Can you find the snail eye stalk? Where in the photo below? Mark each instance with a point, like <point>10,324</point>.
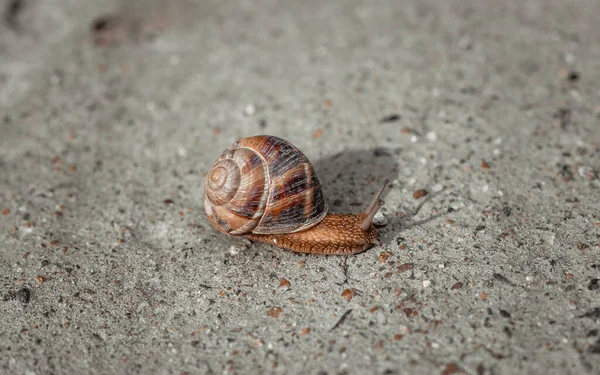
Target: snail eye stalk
<point>374,206</point>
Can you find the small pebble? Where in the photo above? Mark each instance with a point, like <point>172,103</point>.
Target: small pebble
<point>441,265</point>
<point>426,283</point>
<point>586,172</point>
<point>317,134</point>
<point>235,249</point>
<point>380,220</point>
<point>26,229</point>
<point>569,58</point>
<point>431,136</point>
<point>437,188</point>
<point>419,193</point>
<point>250,110</point>
<point>457,205</point>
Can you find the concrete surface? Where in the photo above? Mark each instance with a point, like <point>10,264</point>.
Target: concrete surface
<point>113,111</point>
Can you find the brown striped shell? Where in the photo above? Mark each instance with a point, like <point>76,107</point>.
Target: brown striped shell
<point>263,185</point>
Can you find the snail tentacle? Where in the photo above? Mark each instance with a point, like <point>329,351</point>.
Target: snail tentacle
<point>373,207</point>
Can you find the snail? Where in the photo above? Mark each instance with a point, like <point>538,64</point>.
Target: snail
<point>265,189</point>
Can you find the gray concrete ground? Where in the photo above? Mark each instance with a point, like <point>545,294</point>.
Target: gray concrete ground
<point>112,112</point>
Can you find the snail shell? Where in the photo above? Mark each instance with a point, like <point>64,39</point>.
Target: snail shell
<point>263,185</point>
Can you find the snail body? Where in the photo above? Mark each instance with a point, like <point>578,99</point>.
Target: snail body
<point>265,189</point>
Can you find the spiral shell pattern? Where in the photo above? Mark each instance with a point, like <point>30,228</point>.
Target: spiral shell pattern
<point>263,185</point>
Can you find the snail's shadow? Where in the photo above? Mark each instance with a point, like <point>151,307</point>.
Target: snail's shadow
<point>350,180</point>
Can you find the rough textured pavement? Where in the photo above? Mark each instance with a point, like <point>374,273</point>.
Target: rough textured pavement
<point>112,112</point>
